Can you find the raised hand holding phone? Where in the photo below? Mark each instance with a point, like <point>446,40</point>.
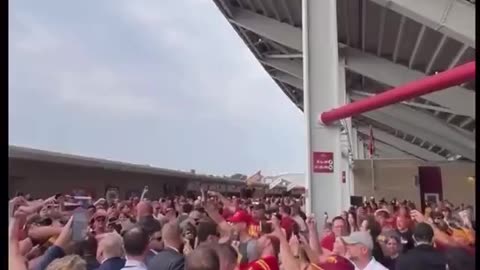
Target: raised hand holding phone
<point>79,224</point>
<point>145,190</point>
<point>417,216</point>
<point>311,222</point>
<point>204,198</point>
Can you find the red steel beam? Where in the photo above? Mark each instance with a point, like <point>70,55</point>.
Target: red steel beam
<point>429,84</point>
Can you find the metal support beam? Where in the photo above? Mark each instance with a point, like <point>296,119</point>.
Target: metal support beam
<point>322,74</point>
<point>450,118</point>
<point>413,104</point>
<point>387,151</point>
<point>271,29</point>
<point>399,39</point>
<point>287,92</point>
<point>411,62</point>
<point>458,99</point>
<point>274,8</point>
<point>347,23</point>
<point>262,7</point>
<point>284,56</point>
<point>398,143</point>
<point>288,79</point>
<point>466,122</point>
<point>413,123</point>
<point>364,22</point>
<point>408,91</point>
<point>428,70</point>
<point>383,15</point>
<point>457,57</point>
<point>292,67</point>
<point>456,19</point>
<point>462,101</point>
<point>287,11</point>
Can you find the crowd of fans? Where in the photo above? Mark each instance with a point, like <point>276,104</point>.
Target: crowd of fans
<point>215,232</point>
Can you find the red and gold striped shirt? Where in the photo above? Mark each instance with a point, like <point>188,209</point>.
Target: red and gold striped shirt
<point>266,263</point>
<point>254,230</point>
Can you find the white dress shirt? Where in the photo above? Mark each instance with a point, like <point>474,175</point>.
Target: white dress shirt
<point>134,265</point>
<point>373,265</point>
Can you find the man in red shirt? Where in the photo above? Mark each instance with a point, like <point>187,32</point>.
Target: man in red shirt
<point>268,247</point>
<point>286,221</point>
<point>337,260</point>
<point>339,229</point>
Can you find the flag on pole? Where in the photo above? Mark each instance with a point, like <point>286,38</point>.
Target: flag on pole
<point>371,144</point>
<point>254,178</point>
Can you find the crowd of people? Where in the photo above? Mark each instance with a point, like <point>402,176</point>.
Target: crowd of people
<point>213,232</point>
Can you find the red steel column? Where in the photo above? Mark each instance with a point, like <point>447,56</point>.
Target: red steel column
<point>437,82</point>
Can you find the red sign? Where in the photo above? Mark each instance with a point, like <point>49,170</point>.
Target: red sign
<point>322,162</point>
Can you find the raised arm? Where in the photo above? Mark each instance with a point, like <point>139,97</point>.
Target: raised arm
<point>288,259</point>
<point>313,238</point>
<point>216,217</point>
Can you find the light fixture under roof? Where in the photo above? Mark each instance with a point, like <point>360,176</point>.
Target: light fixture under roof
<point>455,157</point>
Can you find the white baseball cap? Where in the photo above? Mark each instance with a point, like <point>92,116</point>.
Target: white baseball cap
<point>361,238</point>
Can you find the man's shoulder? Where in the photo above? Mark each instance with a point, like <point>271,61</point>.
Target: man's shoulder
<point>166,254</point>
<point>169,252</point>
<point>420,251</point>
<point>112,263</point>
<point>378,266</point>
<point>425,250</point>
<point>164,259</point>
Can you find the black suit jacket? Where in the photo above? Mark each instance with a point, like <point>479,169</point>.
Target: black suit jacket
<point>167,259</point>
<point>114,263</point>
<point>423,257</point>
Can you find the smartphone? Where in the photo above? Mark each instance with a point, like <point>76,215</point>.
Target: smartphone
<point>266,227</point>
<point>79,224</point>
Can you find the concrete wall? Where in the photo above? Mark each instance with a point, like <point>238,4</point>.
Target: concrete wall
<point>43,179</point>
<point>456,187</point>
<point>396,179</point>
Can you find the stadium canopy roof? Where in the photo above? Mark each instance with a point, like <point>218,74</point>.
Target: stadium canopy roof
<point>385,43</point>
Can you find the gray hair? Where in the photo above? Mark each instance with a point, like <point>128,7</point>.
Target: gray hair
<point>112,245</point>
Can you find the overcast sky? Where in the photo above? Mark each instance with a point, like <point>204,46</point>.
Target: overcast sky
<point>161,82</point>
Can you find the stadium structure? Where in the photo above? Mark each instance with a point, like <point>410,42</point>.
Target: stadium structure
<point>324,54</point>
<point>366,74</point>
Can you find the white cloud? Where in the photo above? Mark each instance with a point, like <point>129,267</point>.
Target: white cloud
<point>72,76</point>
<point>102,90</point>
<point>164,59</point>
<point>241,89</point>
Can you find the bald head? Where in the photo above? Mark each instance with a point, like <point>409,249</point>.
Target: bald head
<point>172,235</point>
<point>202,258</point>
<point>144,209</point>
